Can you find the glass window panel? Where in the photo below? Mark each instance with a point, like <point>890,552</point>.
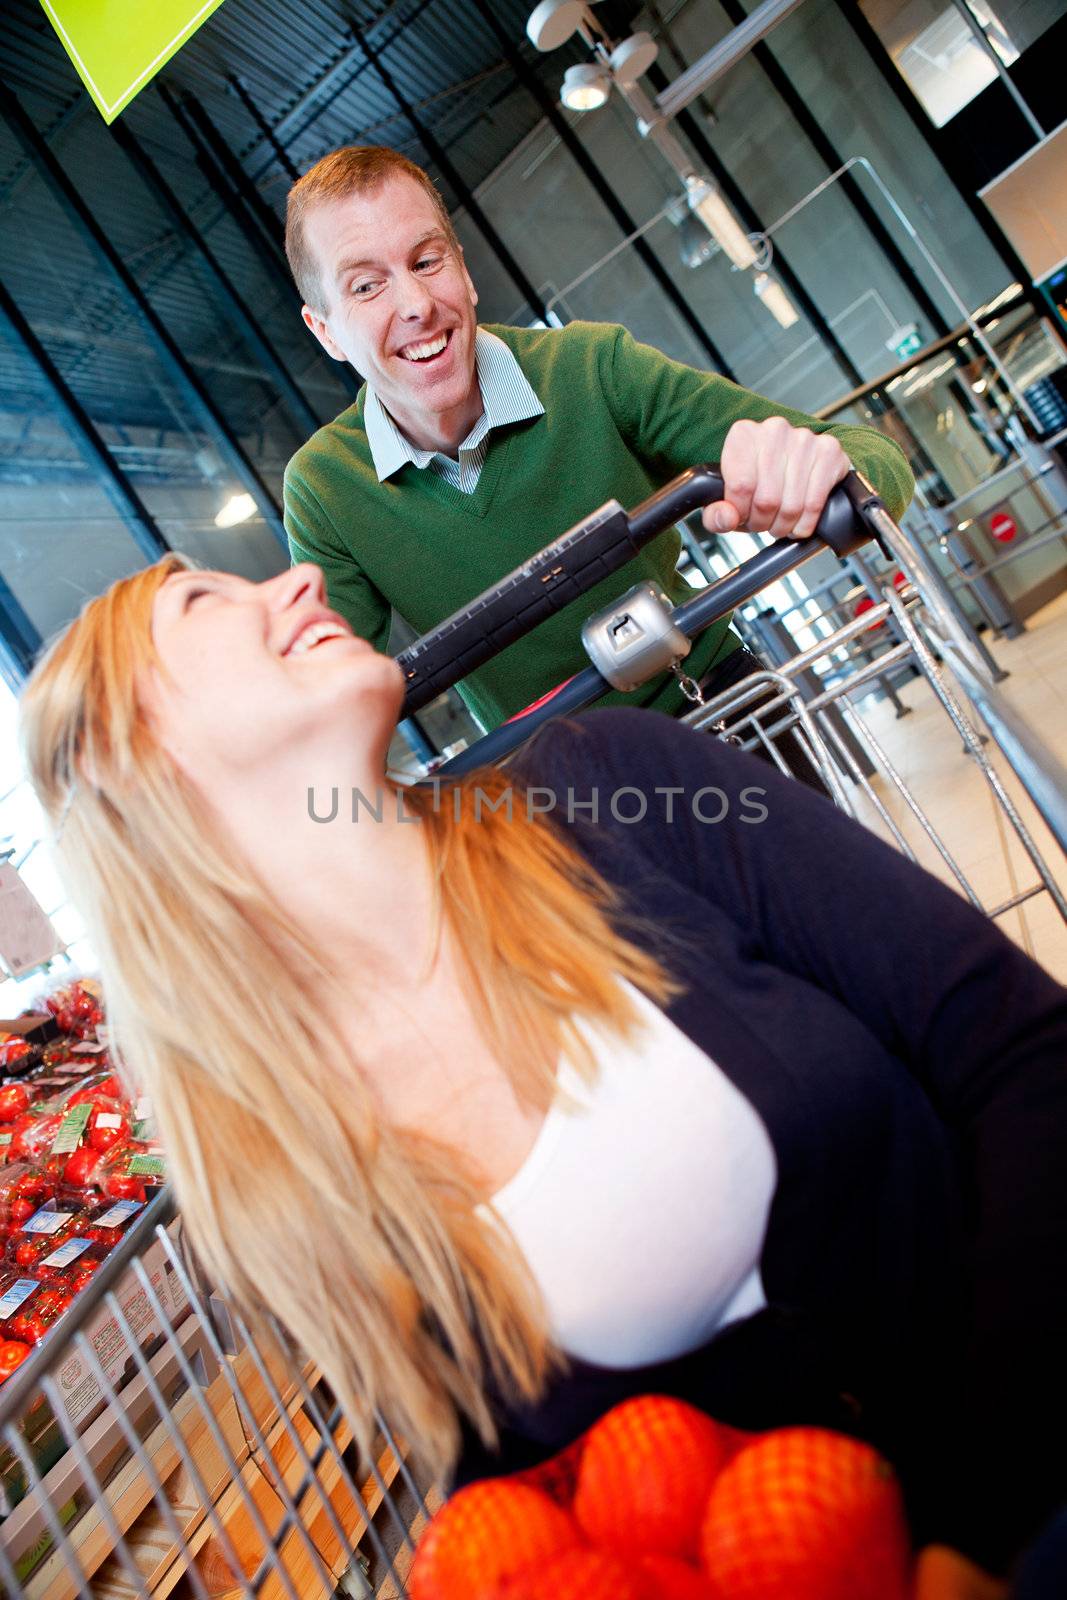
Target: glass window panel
<point>938,53</point>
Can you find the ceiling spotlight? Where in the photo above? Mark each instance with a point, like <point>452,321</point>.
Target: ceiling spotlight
<point>720,221</point>
<point>632,59</point>
<point>551,23</point>
<point>238,508</point>
<point>586,86</point>
<point>774,297</point>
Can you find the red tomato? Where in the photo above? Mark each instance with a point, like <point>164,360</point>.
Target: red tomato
<point>82,1273</point>
<point>56,1276</point>
<point>120,1186</point>
<point>112,1088</point>
<point>12,1354</point>
<point>80,1096</point>
<point>26,1252</point>
<point>22,1210</point>
<point>34,1186</point>
<point>14,1100</point>
<point>51,1302</point>
<point>80,1167</point>
<point>107,1138</point>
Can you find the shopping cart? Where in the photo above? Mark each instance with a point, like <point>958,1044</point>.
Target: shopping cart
<point>642,635</point>
<point>154,1445</point>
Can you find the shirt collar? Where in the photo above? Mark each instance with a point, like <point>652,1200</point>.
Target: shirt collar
<point>506,397</point>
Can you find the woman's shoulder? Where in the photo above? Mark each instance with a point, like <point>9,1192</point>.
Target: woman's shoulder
<point>632,749</point>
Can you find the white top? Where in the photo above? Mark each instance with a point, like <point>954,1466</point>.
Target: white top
<point>642,1210</point>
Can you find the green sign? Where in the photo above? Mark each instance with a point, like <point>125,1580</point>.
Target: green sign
<point>908,346</point>
<point>117,46</point>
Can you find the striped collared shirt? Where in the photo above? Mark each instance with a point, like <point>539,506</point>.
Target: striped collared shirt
<point>506,397</point>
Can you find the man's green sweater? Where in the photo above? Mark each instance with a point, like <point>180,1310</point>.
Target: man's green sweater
<point>620,420</point>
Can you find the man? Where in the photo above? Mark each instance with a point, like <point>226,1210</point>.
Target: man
<point>471,448</point>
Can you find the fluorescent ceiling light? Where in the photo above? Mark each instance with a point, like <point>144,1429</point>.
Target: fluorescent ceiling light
<point>720,221</point>
<point>774,297</point>
<point>586,86</point>
<point>238,508</point>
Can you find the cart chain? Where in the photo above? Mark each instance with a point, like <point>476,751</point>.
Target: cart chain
<point>689,686</point>
<point>695,694</point>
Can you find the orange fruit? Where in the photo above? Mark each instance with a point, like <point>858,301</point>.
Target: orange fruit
<point>485,1534</point>
<point>805,1514</point>
<point>645,1475</point>
<point>577,1575</point>
<point>664,1578</point>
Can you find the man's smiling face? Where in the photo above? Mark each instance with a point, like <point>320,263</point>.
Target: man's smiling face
<point>399,306</point>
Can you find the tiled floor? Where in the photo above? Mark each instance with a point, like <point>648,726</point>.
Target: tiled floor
<point>959,802</point>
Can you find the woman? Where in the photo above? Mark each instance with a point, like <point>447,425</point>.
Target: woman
<point>803,1155</point>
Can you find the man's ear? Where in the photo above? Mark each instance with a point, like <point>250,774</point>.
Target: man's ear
<point>318,327</point>
<point>471,290</point>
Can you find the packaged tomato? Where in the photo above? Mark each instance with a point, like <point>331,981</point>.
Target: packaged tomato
<point>34,1135</point>
<point>70,1265</point>
<point>36,1313</point>
<point>35,1238</point>
<point>109,1224</point>
<point>23,1190</point>
<point>16,1053</point>
<point>78,1008</point>
<point>108,1125</point>
<point>14,1101</point>
<point>102,1085</point>
<point>16,1299</point>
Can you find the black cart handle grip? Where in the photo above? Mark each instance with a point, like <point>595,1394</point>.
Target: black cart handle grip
<point>578,560</point>
<point>842,525</point>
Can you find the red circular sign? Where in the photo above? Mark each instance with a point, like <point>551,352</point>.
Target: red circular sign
<point>1002,527</point>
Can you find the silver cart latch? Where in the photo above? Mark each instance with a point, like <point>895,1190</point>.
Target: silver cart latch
<point>635,638</point>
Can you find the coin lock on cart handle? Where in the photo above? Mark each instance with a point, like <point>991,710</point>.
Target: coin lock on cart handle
<point>641,634</point>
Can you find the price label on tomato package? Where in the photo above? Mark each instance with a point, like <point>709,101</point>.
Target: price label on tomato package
<point>117,1214</point>
<point>71,1129</point>
<point>67,1253</point>
<point>146,1167</point>
<point>44,1221</point>
<point>16,1295</point>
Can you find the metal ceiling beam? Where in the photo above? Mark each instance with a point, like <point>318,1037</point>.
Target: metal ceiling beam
<point>92,449</point>
<point>274,366</point>
<point>169,352</point>
<point>722,56</point>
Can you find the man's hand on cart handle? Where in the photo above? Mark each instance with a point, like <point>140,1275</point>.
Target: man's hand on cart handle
<point>944,1574</point>
<point>777,479</point>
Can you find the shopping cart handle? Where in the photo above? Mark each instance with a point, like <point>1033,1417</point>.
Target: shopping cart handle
<point>842,526</point>
<point>578,560</point>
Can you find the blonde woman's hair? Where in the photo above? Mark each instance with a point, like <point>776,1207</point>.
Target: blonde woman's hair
<point>298,1198</point>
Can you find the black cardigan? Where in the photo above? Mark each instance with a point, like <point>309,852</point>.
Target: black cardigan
<point>909,1063</point>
